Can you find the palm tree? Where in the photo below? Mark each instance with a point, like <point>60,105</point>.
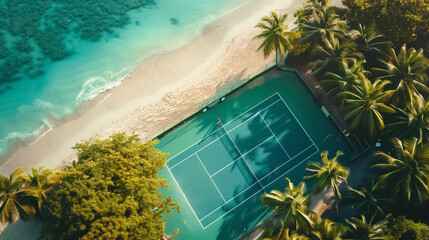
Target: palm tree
<point>325,229</point>
<point>275,34</point>
<point>366,200</point>
<point>330,230</point>
<point>15,200</point>
<point>413,121</point>
<point>368,40</point>
<point>41,182</point>
<point>406,176</point>
<point>322,23</point>
<point>274,233</point>
<point>344,80</point>
<point>365,105</point>
<point>406,71</point>
<point>333,54</point>
<point>361,229</point>
<point>328,173</point>
<point>290,206</point>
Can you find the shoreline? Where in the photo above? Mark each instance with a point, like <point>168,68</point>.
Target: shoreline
<point>161,90</point>
<point>158,91</point>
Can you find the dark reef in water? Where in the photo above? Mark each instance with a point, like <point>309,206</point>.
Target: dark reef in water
<point>33,27</point>
<point>174,21</point>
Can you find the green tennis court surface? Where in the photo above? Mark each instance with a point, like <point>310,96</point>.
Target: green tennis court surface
<point>240,158</point>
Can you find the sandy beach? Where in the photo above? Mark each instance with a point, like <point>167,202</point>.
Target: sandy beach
<point>161,90</point>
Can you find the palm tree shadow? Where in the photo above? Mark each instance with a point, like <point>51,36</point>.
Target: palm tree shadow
<point>265,158</point>
<point>240,222</point>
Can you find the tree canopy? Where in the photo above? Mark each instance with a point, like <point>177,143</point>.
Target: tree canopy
<point>408,17</point>
<point>111,192</point>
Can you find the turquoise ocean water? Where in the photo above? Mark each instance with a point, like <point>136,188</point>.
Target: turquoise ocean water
<point>27,104</point>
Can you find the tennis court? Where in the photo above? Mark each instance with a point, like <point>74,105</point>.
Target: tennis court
<point>240,159</point>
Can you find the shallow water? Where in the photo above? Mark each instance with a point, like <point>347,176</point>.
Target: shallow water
<point>95,66</point>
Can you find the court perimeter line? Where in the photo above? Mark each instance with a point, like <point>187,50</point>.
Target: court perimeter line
<point>233,120</point>
<point>242,155</point>
<point>290,110</point>
<point>230,201</point>
<point>292,168</point>
<point>232,209</point>
<point>254,193</point>
<point>199,220</point>
<point>210,177</point>
<point>218,137</point>
<point>180,189</point>
<point>290,159</point>
<point>287,154</point>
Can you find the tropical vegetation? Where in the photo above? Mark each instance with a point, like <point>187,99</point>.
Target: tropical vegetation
<point>328,173</point>
<point>22,195</point>
<point>111,192</point>
<point>366,60</point>
<point>275,35</point>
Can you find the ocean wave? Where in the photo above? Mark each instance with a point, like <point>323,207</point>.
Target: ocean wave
<point>96,85</point>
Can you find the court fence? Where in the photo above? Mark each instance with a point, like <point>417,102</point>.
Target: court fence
<point>227,89</point>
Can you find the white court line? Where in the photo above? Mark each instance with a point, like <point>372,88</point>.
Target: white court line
<point>287,154</point>
<point>230,200</point>
<point>232,121</point>
<point>292,168</point>
<point>210,177</point>
<point>261,179</point>
<point>297,120</point>
<point>290,159</point>
<point>232,209</point>
<point>243,155</point>
<point>245,160</point>
<point>212,141</point>
<point>180,189</point>
<point>256,114</point>
<point>199,220</point>
<point>252,194</point>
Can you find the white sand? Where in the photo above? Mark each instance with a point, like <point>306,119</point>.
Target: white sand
<point>164,89</point>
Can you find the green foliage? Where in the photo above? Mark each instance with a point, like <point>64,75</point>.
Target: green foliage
<point>398,20</point>
<point>363,229</point>
<point>413,121</point>
<point>319,25</point>
<point>15,200</point>
<point>343,80</point>
<point>328,173</point>
<point>275,34</point>
<point>290,206</point>
<point>333,54</point>
<point>367,200</point>
<point>406,71</point>
<point>111,192</point>
<point>40,183</point>
<point>297,47</point>
<point>366,104</point>
<point>404,229</point>
<point>407,175</point>
<point>370,43</point>
<point>22,194</point>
